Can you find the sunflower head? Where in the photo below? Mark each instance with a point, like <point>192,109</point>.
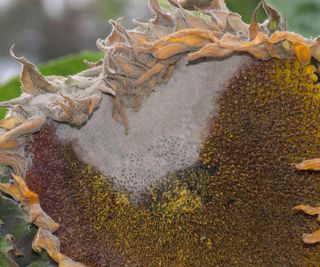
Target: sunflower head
<point>184,146</point>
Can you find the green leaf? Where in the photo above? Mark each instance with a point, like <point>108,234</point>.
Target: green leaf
<point>302,16</point>
<point>165,5</point>
<point>64,66</point>
<point>14,220</point>
<point>5,257</point>
<point>246,9</point>
<point>43,261</point>
<point>69,65</point>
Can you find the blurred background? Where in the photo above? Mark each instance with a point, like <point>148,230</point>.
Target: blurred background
<point>46,29</point>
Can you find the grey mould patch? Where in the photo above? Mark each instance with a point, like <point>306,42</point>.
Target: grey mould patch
<point>164,136</point>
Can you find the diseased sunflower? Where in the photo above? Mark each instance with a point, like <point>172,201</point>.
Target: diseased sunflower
<point>192,143</point>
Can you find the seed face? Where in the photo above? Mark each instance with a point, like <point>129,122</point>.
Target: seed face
<point>240,193</point>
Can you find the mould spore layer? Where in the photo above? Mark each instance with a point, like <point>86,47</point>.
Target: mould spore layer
<point>165,135</point>
<point>234,208</point>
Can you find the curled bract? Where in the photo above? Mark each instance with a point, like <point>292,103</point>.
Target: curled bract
<point>33,81</point>
<point>315,236</point>
<point>45,240</point>
<point>313,164</point>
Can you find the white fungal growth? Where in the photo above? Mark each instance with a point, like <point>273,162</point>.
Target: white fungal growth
<point>164,136</point>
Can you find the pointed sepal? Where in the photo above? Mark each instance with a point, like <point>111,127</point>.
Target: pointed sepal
<point>33,82</point>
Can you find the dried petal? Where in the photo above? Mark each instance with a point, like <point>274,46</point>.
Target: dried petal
<point>160,17</point>
<point>184,20</point>
<point>315,51</point>
<point>149,73</point>
<point>210,50</point>
<point>309,210</point>
<point>40,218</point>
<point>280,36</point>
<point>235,24</point>
<point>312,164</point>
<point>70,263</point>
<point>311,238</point>
<point>115,37</point>
<point>9,140</point>
<point>27,195</point>
<point>23,100</point>
<point>46,240</point>
<point>12,122</point>
<point>303,53</point>
<point>14,160</point>
<point>12,190</point>
<point>19,190</point>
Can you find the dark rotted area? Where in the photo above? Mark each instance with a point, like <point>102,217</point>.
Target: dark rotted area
<point>57,175</point>
<point>234,208</point>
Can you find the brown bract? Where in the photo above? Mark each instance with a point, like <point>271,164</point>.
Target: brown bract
<point>135,62</point>
<point>45,240</point>
<point>313,164</point>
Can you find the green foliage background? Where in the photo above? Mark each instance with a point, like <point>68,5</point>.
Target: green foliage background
<point>302,16</point>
